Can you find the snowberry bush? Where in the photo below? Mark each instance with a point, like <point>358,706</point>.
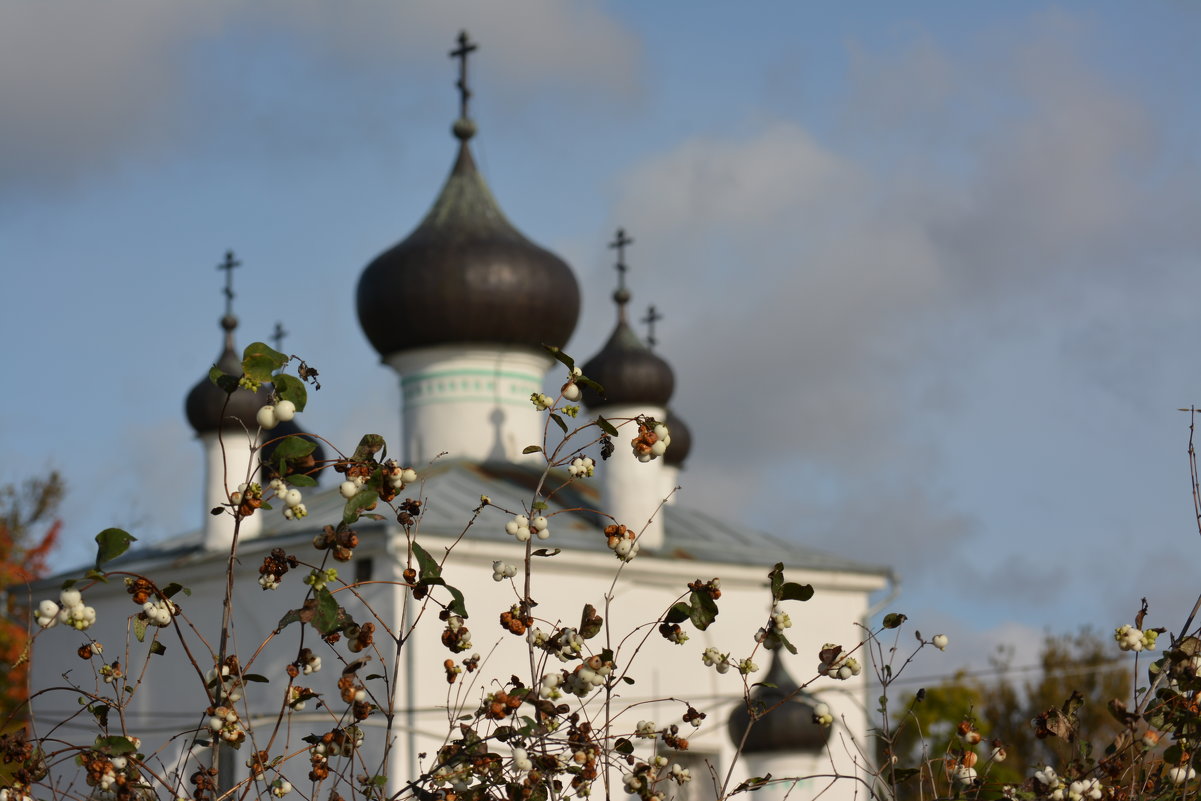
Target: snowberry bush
<point>562,728</point>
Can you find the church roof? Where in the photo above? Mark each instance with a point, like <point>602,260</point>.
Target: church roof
<point>454,489</point>
<point>466,275</point>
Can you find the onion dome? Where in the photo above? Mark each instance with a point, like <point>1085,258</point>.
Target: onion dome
<point>681,440</point>
<point>465,274</point>
<point>789,725</point>
<point>206,405</point>
<point>629,371</point>
<point>304,465</point>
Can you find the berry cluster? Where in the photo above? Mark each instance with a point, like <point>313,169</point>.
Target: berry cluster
<point>581,467</point>
<point>521,528</point>
<point>822,715</point>
<point>340,542</point>
<point>515,621</point>
<point>591,673</point>
<point>274,566</point>
<point>837,665</point>
<point>622,541</point>
<point>355,694</point>
<point>455,636</point>
<point>500,704</point>
<point>1131,639</point>
<point>281,787</point>
<point>541,401</point>
<point>652,440</point>
<point>114,777</point>
<point>317,579</point>
<point>158,612</point>
<point>73,612</point>
<point>306,662</point>
<point>716,659</point>
<point>272,415</point>
<point>225,723</point>
<point>229,689</point>
<point>772,635</point>
<point>503,570</point>
<point>294,508</point>
<point>247,498</point>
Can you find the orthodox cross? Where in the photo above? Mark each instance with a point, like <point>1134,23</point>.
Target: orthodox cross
<point>228,265</point>
<point>277,336</point>
<point>619,244</point>
<point>465,47</point>
<point>652,316</point>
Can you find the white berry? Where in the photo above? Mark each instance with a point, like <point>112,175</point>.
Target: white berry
<point>285,410</point>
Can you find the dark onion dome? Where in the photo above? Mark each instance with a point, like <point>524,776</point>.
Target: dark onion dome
<point>681,440</point>
<point>271,440</point>
<point>206,406</point>
<point>789,727</point>
<point>466,275</point>
<point>630,372</point>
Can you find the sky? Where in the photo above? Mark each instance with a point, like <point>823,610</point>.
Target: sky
<point>928,270</point>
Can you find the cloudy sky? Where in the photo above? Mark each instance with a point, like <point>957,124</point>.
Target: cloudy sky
<point>929,270</point>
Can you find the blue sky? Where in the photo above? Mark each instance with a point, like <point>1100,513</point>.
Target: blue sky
<point>929,270</point>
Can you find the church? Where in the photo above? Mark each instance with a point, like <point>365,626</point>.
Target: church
<point>462,309</point>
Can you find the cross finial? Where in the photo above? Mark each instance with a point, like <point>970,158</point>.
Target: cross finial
<point>228,265</point>
<point>620,240</point>
<point>652,316</point>
<point>278,334</point>
<point>466,46</point>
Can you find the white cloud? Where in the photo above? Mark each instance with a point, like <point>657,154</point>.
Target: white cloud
<point>85,86</point>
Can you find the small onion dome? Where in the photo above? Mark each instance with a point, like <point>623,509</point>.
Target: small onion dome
<point>681,440</point>
<point>466,275</point>
<point>630,372</point>
<point>206,406</point>
<point>788,727</point>
<point>271,440</point>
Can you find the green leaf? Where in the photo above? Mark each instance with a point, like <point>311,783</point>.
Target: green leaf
<point>111,543</point>
<point>293,447</point>
<point>585,381</point>
<point>456,605</point>
<point>173,589</point>
<point>226,383</point>
<point>791,591</point>
<point>622,745</point>
<point>894,620</point>
<point>628,679</point>
<point>777,580</point>
<point>139,629</point>
<point>287,620</point>
<point>559,422</point>
<point>255,677</point>
<point>540,506</point>
<point>360,501</point>
<point>787,643</point>
<point>532,449</point>
<point>327,618</point>
<point>92,574</point>
<point>260,360</point>
<point>703,610</point>
<point>368,446</point>
<point>289,387</point>
<point>116,745</point>
<point>678,613</point>
<point>561,356</point>
<point>429,566</point>
<point>301,480</point>
<point>157,648</point>
<point>547,552</point>
<point>606,426</point>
